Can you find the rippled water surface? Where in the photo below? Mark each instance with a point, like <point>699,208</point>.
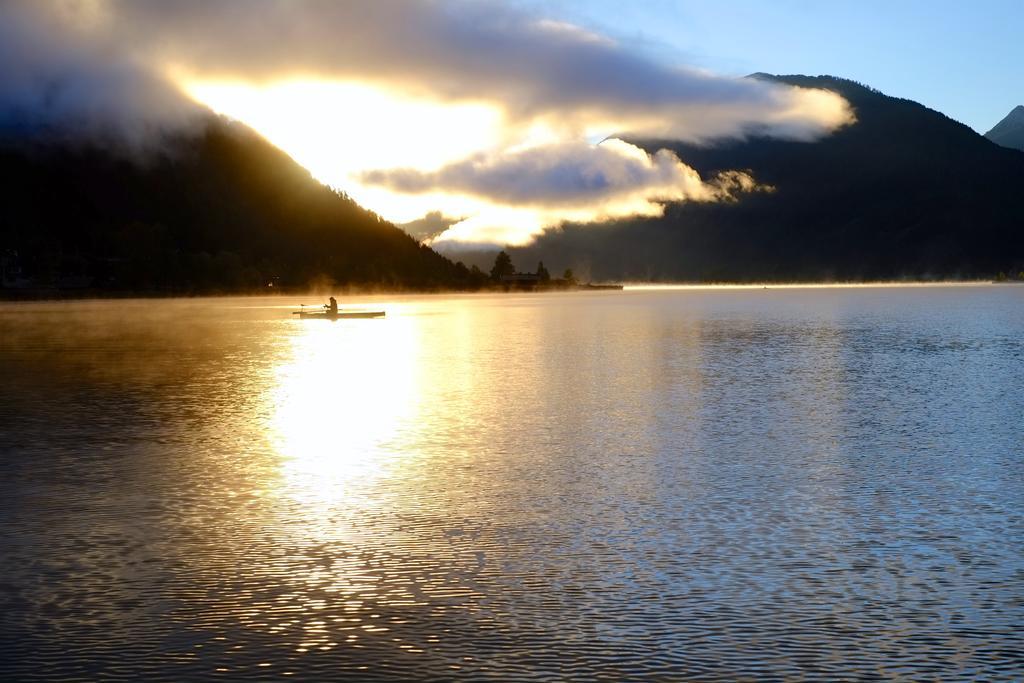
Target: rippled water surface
<point>711,484</point>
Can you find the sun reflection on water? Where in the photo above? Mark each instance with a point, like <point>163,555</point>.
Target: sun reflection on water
<point>338,401</point>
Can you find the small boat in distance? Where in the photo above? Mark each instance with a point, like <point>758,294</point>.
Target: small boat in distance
<point>327,315</point>
<point>332,312</point>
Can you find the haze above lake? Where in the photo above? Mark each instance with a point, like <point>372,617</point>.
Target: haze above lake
<point>712,483</point>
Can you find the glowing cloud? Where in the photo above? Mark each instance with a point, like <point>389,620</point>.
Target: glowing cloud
<point>541,186</point>
<point>466,107</point>
<point>567,174</point>
<point>477,50</point>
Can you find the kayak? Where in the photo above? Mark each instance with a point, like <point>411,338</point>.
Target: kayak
<point>327,315</point>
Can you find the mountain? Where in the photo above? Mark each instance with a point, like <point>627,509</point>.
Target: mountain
<point>1010,131</point>
<point>905,192</point>
<point>217,210</point>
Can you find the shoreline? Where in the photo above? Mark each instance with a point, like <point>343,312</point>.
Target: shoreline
<point>39,295</point>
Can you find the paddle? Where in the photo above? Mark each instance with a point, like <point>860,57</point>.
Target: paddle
<point>303,306</point>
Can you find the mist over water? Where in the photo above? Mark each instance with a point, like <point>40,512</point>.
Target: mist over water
<point>715,484</point>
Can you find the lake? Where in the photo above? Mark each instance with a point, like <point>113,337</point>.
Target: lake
<point>721,484</point>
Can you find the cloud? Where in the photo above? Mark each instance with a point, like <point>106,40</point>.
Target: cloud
<point>430,226</point>
<point>55,82</point>
<point>542,186</point>
<point>106,69</point>
<point>571,174</point>
<point>537,69</point>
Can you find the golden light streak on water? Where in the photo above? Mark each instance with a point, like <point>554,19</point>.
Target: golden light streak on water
<point>338,399</point>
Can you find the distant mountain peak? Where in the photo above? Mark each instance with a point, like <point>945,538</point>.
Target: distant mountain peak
<point>1016,115</point>
<point>1010,131</point>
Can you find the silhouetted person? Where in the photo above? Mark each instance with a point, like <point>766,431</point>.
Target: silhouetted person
<point>333,307</point>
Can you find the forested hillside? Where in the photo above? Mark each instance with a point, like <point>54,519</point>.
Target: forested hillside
<point>218,211</point>
<point>905,192</point>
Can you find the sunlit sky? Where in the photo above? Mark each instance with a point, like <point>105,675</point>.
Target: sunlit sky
<point>339,129</point>
<point>503,165</point>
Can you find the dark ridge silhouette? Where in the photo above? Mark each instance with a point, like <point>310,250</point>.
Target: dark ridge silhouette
<point>1010,131</point>
<point>905,192</point>
<point>220,210</point>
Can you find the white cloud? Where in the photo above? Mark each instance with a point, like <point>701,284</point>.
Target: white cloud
<point>570,174</point>
<point>536,68</point>
<point>538,187</point>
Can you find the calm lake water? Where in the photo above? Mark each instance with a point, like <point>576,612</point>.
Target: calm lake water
<point>716,484</point>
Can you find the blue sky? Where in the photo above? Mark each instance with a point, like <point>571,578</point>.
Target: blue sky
<point>965,59</point>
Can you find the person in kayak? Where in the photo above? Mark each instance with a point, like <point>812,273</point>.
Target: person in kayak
<point>333,307</point>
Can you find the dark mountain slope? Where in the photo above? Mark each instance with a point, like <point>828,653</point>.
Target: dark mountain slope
<point>904,192</point>
<point>223,210</point>
<point>1010,131</point>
